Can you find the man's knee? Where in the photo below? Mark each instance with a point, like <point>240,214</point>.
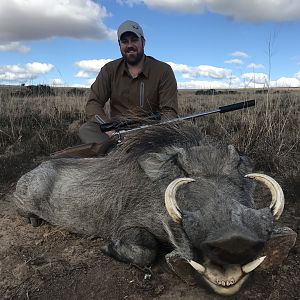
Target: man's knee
<point>90,132</point>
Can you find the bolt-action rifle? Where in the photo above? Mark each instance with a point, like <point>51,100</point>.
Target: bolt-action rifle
<point>121,128</point>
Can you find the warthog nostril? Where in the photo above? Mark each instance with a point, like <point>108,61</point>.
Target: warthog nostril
<point>236,250</point>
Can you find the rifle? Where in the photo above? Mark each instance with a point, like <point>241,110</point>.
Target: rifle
<point>94,149</point>
<point>118,125</point>
<point>221,110</point>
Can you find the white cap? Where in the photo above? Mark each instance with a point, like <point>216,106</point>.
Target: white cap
<point>130,26</point>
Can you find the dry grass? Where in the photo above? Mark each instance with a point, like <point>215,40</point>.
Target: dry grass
<point>268,133</point>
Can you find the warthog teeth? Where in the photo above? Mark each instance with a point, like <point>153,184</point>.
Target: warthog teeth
<point>253,265</point>
<point>225,283</point>
<point>199,268</point>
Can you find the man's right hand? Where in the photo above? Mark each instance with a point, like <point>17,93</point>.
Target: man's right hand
<point>110,133</point>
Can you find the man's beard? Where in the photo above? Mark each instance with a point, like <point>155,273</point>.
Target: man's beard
<point>133,58</point>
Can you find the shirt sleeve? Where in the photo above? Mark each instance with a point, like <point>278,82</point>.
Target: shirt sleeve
<point>99,95</point>
<point>168,101</point>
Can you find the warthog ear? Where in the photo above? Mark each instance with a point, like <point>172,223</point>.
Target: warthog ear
<point>238,160</point>
<point>159,165</point>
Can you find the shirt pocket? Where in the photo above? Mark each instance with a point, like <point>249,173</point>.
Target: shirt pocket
<point>151,99</point>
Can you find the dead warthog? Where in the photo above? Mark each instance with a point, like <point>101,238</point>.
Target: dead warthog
<point>164,185</point>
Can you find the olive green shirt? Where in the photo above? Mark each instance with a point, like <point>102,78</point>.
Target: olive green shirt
<point>153,90</point>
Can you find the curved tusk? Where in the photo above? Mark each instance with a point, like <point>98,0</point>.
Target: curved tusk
<point>277,203</point>
<point>170,198</point>
<point>253,265</point>
<point>199,268</point>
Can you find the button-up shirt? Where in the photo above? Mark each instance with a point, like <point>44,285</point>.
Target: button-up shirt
<point>153,90</point>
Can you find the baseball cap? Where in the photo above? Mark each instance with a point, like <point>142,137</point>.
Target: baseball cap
<point>130,26</point>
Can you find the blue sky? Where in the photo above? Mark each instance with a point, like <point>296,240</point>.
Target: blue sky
<point>208,43</point>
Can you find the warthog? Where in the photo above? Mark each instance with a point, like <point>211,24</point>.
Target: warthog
<point>170,185</point>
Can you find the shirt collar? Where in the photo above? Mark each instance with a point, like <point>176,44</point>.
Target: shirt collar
<point>145,70</point>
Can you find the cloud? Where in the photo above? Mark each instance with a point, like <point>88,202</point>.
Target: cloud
<point>234,61</point>
<point>182,6</point>
<point>90,67</point>
<point>255,66</point>
<point>239,54</point>
<point>202,84</point>
<point>56,82</point>
<point>129,2</point>
<point>189,72</point>
<point>18,73</point>
<point>260,78</point>
<point>286,82</point>
<point>82,74</point>
<point>14,47</point>
<point>242,10</point>
<point>34,20</point>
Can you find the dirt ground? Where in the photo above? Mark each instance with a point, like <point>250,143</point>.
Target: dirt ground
<point>49,263</point>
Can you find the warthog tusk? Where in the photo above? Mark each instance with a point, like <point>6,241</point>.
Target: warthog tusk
<point>170,198</point>
<point>253,265</point>
<point>199,268</point>
<point>277,203</point>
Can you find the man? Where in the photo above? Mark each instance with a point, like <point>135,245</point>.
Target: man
<point>135,84</point>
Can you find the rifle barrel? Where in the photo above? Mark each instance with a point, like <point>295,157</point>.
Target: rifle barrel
<point>222,109</point>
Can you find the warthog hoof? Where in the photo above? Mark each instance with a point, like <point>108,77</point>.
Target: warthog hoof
<point>35,221</point>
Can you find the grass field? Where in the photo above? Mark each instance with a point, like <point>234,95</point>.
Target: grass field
<point>35,126</point>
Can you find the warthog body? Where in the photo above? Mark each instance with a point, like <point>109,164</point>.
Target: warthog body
<point>121,198</point>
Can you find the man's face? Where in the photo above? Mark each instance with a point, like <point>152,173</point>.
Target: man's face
<point>132,48</point>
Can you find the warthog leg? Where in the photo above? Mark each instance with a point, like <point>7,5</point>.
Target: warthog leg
<point>31,218</point>
<point>135,245</point>
<point>35,221</point>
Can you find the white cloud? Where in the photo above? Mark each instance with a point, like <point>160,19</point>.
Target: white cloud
<point>14,47</point>
<point>34,19</point>
<point>256,78</point>
<point>286,82</point>
<point>248,80</point>
<point>239,54</point>
<point>38,68</point>
<point>90,67</point>
<point>201,84</point>
<point>242,10</point>
<point>234,61</point>
<point>56,82</point>
<point>129,2</point>
<point>90,81</point>
<point>82,74</point>
<point>255,66</point>
<point>18,73</point>
<point>182,6</point>
<point>189,72</point>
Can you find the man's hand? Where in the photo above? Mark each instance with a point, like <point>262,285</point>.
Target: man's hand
<point>110,133</point>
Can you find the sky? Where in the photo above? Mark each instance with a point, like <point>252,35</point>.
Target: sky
<point>208,43</point>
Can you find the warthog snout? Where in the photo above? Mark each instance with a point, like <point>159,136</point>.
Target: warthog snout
<point>232,249</point>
